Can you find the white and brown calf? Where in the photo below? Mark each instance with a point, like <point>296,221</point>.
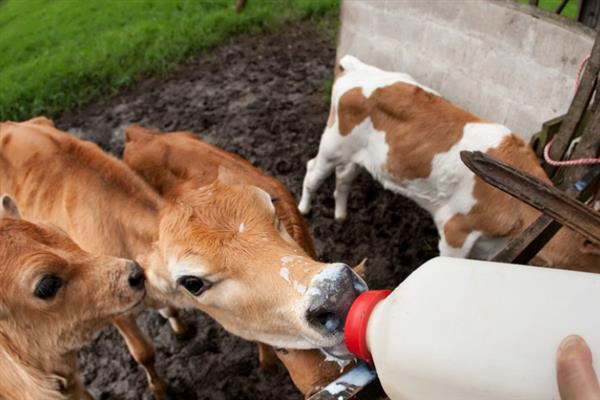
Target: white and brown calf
<point>409,138</point>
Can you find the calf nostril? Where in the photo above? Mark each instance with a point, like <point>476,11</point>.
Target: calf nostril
<point>136,277</point>
<point>324,319</point>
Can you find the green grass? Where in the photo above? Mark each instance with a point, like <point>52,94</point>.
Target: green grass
<point>59,54</point>
<point>570,10</point>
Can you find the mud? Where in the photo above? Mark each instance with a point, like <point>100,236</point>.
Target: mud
<point>262,98</point>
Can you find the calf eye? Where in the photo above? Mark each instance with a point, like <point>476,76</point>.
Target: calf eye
<point>47,287</point>
<point>193,284</point>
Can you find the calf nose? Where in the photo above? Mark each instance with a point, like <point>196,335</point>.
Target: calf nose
<point>333,291</point>
<point>136,277</point>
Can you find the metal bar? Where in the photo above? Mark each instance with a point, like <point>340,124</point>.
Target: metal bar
<point>359,383</point>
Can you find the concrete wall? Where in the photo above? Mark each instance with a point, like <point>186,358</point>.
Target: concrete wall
<point>503,61</point>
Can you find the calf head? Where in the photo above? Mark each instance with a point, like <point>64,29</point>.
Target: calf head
<point>224,251</point>
<point>54,295</point>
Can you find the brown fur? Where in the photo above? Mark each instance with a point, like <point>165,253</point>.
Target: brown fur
<point>103,206</point>
<point>404,112</point>
<point>169,160</point>
<point>107,209</point>
<point>38,352</point>
<point>164,161</point>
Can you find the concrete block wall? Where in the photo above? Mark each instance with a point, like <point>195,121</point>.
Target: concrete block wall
<point>504,61</point>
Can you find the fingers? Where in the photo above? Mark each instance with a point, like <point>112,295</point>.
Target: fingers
<point>575,372</point>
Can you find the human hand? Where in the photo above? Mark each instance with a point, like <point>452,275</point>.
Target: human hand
<point>574,370</point>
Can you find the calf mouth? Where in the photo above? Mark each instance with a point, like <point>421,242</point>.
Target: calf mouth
<point>136,305</point>
<point>338,352</point>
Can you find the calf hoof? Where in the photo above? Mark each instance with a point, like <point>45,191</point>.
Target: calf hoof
<point>185,331</point>
<point>267,365</point>
<point>303,208</point>
<point>267,360</point>
<point>340,217</point>
<point>159,389</point>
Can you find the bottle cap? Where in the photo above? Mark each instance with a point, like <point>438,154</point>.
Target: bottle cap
<point>355,328</point>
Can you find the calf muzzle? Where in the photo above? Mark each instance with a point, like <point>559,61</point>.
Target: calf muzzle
<point>332,292</point>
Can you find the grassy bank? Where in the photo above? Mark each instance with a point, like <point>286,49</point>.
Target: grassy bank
<point>58,54</point>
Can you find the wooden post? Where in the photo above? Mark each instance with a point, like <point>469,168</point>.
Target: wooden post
<point>239,5</point>
<point>561,6</point>
<point>588,12</point>
<point>577,108</point>
<point>538,194</point>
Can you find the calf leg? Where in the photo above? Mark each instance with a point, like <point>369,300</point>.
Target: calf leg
<point>266,356</point>
<point>344,176</point>
<point>180,328</point>
<point>317,170</point>
<point>142,351</point>
<point>78,390</point>
<point>457,239</point>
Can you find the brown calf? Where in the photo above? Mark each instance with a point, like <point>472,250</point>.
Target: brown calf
<point>166,161</point>
<point>218,248</point>
<point>53,298</point>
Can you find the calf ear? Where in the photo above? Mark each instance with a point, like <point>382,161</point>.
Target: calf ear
<point>361,269</point>
<point>8,208</point>
<point>42,121</point>
<point>589,247</point>
<point>136,133</point>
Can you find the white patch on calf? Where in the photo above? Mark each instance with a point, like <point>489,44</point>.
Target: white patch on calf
<point>448,190</point>
<point>266,198</point>
<point>369,79</point>
<point>241,229</point>
<point>285,273</point>
<point>177,269</point>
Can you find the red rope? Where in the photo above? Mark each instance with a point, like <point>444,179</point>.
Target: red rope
<point>566,163</point>
<point>582,65</point>
<point>582,161</point>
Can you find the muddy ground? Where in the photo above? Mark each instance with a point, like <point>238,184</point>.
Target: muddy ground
<point>260,97</point>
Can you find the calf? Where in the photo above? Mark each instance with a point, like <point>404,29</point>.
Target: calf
<point>53,298</point>
<point>168,160</point>
<point>409,138</point>
<point>218,248</point>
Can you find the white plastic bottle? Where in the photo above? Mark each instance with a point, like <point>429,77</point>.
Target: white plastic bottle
<point>459,329</point>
